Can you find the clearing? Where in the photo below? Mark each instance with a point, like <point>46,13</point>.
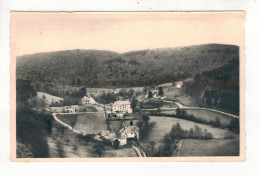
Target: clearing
<point>178,96</point>
<point>49,98</point>
<point>89,123</point>
<point>194,147</point>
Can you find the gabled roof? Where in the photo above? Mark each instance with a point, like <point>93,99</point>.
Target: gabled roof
<point>122,102</point>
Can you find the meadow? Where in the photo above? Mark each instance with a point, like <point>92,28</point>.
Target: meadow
<point>194,147</point>
<point>164,124</point>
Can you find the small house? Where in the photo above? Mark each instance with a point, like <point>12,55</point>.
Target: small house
<point>129,133</point>
<point>71,109</point>
<point>88,100</point>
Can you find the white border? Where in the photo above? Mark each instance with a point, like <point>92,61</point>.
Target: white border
<point>250,167</point>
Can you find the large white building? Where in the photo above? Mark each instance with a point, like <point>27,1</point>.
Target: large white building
<point>122,107</point>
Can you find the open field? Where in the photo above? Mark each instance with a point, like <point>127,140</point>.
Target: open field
<point>124,152</point>
<point>177,95</point>
<point>90,123</point>
<point>164,125</point>
<point>115,125</point>
<point>49,98</point>
<point>193,147</point>
<point>210,115</point>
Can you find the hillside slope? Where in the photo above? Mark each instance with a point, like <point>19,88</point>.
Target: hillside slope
<point>94,68</point>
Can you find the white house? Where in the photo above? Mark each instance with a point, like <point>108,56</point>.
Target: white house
<point>179,84</point>
<point>72,109</point>
<point>122,107</point>
<point>88,100</point>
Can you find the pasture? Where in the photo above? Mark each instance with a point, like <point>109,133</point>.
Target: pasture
<point>49,98</point>
<point>177,95</point>
<point>88,123</point>
<point>164,124</point>
<point>194,147</point>
<point>210,115</point>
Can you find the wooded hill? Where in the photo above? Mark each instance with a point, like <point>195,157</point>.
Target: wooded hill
<point>95,68</point>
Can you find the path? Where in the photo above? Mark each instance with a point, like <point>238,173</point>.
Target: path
<point>64,124</point>
<point>191,108</point>
<point>140,152</point>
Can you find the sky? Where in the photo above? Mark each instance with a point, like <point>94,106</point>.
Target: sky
<point>122,32</point>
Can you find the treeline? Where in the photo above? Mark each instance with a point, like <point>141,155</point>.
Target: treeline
<point>171,139</point>
<point>219,88</point>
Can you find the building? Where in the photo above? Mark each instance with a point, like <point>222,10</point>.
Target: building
<point>129,133</point>
<point>122,107</point>
<point>179,84</point>
<point>87,100</point>
<point>71,109</point>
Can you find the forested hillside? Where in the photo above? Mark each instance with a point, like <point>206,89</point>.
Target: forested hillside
<point>93,68</point>
<point>218,88</point>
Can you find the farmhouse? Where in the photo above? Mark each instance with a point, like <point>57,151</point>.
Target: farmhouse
<point>87,100</point>
<point>129,133</point>
<point>72,109</point>
<point>122,107</point>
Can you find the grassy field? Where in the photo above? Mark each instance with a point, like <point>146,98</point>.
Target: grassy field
<point>164,125</point>
<point>124,152</point>
<point>49,98</point>
<point>177,95</point>
<point>115,125</point>
<point>193,147</point>
<point>210,115</point>
<point>90,123</point>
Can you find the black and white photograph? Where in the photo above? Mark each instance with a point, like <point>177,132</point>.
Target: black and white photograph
<point>127,85</point>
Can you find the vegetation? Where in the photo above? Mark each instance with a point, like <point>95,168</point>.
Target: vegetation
<point>93,68</point>
<point>177,133</point>
<point>116,144</point>
<point>150,94</point>
<point>219,87</point>
<point>144,126</point>
<point>99,149</point>
<point>151,104</point>
<point>106,98</point>
<point>32,127</point>
<point>160,92</point>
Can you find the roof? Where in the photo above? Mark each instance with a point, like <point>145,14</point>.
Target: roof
<point>122,102</point>
<point>129,129</point>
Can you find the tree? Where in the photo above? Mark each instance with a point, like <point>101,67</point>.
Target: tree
<point>145,90</point>
<point>116,144</point>
<point>131,123</point>
<point>82,92</point>
<point>150,94</point>
<point>217,122</point>
<point>99,149</point>
<point>160,93</point>
<point>234,125</point>
<point>145,119</point>
<point>134,103</point>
